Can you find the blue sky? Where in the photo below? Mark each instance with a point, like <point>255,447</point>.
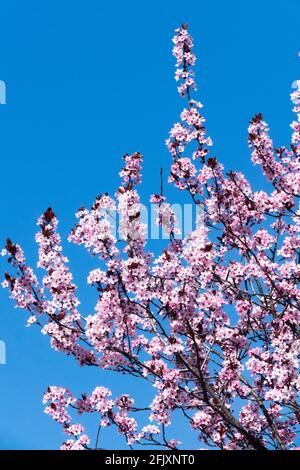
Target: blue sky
<point>86,83</point>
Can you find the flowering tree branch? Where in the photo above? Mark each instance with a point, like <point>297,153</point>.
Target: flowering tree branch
<point>212,323</point>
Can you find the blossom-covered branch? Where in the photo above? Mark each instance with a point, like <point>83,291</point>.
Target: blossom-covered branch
<point>212,322</point>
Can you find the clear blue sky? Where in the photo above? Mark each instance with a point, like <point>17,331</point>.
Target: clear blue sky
<point>86,83</point>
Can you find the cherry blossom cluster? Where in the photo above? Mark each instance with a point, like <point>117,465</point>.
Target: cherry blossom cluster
<point>211,322</point>
<point>183,52</point>
<point>190,132</point>
<point>166,217</point>
<point>24,287</point>
<point>295,96</point>
<point>60,403</point>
